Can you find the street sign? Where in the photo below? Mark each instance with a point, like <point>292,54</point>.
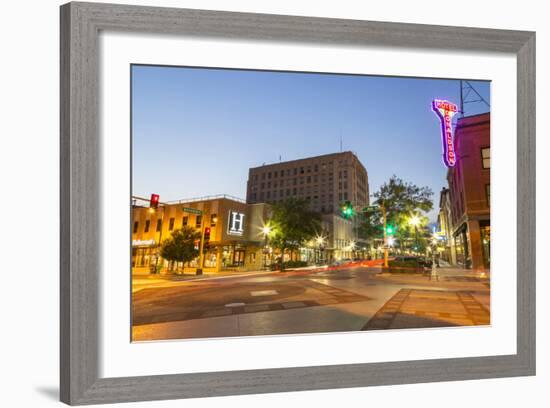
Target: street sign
<point>192,210</point>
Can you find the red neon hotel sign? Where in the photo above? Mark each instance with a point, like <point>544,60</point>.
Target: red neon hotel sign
<point>446,110</point>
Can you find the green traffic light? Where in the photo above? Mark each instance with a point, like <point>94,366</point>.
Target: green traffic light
<point>389,229</point>
<point>347,210</point>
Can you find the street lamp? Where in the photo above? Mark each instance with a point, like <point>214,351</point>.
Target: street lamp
<point>415,221</point>
<point>320,241</point>
<point>266,230</point>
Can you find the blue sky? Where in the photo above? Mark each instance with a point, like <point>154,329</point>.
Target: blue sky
<point>196,131</point>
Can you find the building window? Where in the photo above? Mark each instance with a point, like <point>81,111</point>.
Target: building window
<point>269,175</point>
<point>171,224</point>
<point>159,225</point>
<point>198,221</point>
<point>488,194</point>
<point>213,220</point>
<point>136,225</point>
<point>282,173</point>
<point>147,223</point>
<point>486,158</point>
<point>185,221</point>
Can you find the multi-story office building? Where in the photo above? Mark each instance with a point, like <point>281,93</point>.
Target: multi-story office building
<point>469,187</point>
<point>326,181</point>
<point>236,239</point>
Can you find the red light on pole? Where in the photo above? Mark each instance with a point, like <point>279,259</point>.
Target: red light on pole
<point>206,238</point>
<point>154,201</point>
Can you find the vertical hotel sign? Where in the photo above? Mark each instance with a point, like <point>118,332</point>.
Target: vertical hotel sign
<point>446,110</point>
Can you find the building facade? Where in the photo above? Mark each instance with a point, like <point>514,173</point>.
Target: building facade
<point>236,239</point>
<point>469,191</point>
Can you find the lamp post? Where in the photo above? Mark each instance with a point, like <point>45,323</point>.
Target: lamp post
<point>415,221</point>
<point>266,230</point>
<point>320,240</point>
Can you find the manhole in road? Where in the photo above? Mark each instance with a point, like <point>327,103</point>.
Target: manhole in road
<point>264,293</point>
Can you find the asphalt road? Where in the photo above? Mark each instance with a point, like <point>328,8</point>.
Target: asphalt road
<point>345,298</point>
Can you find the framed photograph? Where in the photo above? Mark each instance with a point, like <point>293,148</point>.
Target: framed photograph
<point>261,203</point>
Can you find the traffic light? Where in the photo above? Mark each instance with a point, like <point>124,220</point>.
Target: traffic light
<point>390,229</point>
<point>347,210</point>
<point>206,238</point>
<point>154,201</point>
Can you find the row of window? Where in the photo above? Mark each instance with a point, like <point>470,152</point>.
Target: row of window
<point>294,171</point>
<point>267,195</point>
<point>171,222</point>
<point>294,181</point>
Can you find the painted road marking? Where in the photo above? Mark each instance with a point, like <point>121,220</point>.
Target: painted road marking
<point>264,293</point>
<point>238,304</point>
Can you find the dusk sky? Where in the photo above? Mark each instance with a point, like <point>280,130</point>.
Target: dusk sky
<point>195,131</point>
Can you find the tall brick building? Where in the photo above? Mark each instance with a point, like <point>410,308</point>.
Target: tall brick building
<point>326,181</point>
<point>469,187</point>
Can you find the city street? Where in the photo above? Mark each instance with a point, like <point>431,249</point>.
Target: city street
<point>350,297</point>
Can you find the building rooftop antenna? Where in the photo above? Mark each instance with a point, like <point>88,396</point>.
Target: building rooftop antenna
<point>469,94</point>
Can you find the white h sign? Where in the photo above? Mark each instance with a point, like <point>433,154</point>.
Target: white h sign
<point>236,223</point>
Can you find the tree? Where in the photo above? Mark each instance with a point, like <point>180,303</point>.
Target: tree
<point>371,226</point>
<point>402,201</point>
<point>180,247</point>
<point>293,223</point>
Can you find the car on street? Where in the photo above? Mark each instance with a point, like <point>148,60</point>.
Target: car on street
<point>421,261</point>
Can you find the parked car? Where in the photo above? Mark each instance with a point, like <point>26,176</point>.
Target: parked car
<point>421,261</point>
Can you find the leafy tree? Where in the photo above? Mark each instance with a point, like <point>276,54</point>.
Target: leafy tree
<point>180,247</point>
<point>293,223</point>
<point>371,226</point>
<point>402,201</point>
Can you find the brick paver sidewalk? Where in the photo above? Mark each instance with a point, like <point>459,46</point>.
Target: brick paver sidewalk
<point>419,308</point>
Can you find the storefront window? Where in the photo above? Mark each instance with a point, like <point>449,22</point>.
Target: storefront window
<point>462,251</point>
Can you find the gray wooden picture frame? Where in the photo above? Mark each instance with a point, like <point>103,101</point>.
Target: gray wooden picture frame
<point>80,192</point>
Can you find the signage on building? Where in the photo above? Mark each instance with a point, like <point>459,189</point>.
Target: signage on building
<point>445,110</point>
<point>191,210</point>
<point>235,224</point>
<point>143,242</point>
